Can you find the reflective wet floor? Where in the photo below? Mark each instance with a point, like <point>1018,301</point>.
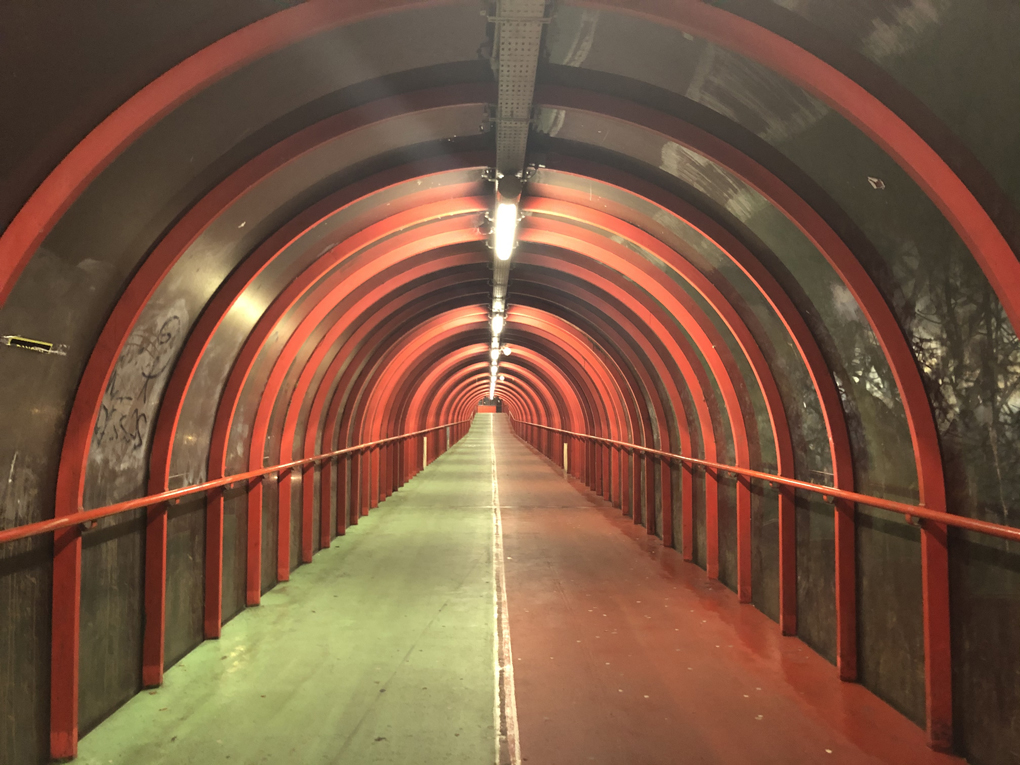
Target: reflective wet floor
<point>383,650</point>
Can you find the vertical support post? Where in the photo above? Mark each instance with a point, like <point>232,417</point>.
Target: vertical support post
<point>325,503</point>
<point>375,476</point>
<point>635,486</point>
<point>213,616</point>
<point>424,452</point>
<point>649,461</point>
<point>354,503</point>
<point>307,512</point>
<point>687,514</point>
<point>938,666</point>
<point>639,487</point>
<point>283,527</point>
<point>153,638</point>
<point>846,591</point>
<point>607,472</point>
<point>666,482</point>
<point>64,645</point>
<point>614,470</point>
<point>253,571</point>
<point>743,540</point>
<point>711,524</point>
<point>787,562</point>
<point>624,480</point>
<point>341,495</point>
<point>566,458</point>
<point>365,482</point>
<point>386,472</point>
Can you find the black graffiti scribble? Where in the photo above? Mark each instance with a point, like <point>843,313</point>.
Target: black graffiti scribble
<point>144,359</point>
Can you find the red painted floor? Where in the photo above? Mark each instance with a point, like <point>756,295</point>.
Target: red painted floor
<point>625,654</point>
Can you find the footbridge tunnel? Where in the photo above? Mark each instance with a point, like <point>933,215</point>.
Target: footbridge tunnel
<point>743,273</point>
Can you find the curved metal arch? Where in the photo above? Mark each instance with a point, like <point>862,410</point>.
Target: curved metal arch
<point>799,212</point>
<point>360,317</point>
<point>554,327</point>
<point>864,110</point>
<point>601,396</point>
<point>664,329</point>
<point>635,352</point>
<point>706,339</point>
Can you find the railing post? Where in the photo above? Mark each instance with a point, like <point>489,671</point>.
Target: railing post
<point>566,458</point>
<point>607,472</point>
<point>354,498</point>
<point>365,487</point>
<point>307,511</point>
<point>213,608</point>
<point>326,502</point>
<point>283,522</point>
<point>743,539</point>
<point>625,494</point>
<point>154,636</point>
<point>65,643</point>
<point>424,452</point>
<point>253,567</point>
<point>938,665</point>
<point>635,486</point>
<point>711,523</point>
<point>342,494</point>
<point>687,512</point>
<point>374,482</point>
<point>666,493</point>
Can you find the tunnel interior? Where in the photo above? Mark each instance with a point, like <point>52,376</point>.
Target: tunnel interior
<point>778,237</point>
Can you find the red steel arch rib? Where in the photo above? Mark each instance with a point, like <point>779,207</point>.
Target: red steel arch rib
<point>924,437</point>
<point>55,197</point>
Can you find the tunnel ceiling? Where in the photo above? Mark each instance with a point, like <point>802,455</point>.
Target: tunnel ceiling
<point>779,235</point>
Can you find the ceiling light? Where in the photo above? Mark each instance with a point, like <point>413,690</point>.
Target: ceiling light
<point>505,230</point>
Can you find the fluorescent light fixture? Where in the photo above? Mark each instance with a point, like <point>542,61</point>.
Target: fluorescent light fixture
<point>505,230</point>
<point>506,350</point>
<point>497,323</point>
<point>494,355</point>
<point>497,306</point>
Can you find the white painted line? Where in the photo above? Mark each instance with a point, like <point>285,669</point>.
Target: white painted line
<point>505,714</point>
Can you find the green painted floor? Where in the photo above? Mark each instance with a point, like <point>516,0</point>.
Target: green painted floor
<point>380,651</point>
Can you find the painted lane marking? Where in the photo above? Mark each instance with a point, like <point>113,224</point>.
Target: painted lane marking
<point>505,708</point>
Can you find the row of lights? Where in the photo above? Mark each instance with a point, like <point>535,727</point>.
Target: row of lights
<point>504,236</point>
<point>495,351</point>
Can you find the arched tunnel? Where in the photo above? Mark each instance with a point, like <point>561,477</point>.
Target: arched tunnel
<point>566,316</point>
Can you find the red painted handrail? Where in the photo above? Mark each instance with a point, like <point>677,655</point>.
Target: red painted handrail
<point>86,516</point>
<point>918,511</point>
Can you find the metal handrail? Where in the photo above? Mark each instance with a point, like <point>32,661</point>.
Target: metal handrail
<point>87,516</point>
<point>828,492</point>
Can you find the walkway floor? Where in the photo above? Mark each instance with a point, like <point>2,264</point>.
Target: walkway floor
<point>383,650</point>
<point>623,653</point>
<point>380,651</point>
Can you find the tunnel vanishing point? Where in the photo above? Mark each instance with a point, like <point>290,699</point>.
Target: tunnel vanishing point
<point>527,277</point>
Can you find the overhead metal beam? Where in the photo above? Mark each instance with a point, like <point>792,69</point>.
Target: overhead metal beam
<point>517,46</point>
